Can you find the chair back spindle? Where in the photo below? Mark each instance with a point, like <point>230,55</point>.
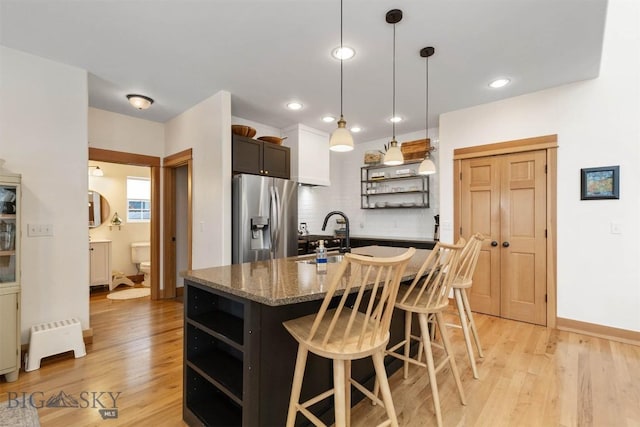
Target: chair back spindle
<point>369,288</point>
<point>430,288</point>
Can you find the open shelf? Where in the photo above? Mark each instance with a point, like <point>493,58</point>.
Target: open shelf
<point>409,190</point>
<point>223,326</point>
<point>392,178</point>
<point>210,405</point>
<point>215,359</point>
<point>222,317</point>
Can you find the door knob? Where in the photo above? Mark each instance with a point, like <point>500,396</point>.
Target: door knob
<point>494,243</point>
<point>505,244</point>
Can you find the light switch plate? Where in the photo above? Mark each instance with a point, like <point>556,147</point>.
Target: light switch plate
<point>39,230</point>
<point>616,228</point>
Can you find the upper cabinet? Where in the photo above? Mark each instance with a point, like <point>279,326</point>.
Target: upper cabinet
<point>309,155</point>
<point>260,158</point>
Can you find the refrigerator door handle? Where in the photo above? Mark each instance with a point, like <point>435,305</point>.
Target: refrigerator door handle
<point>278,214</point>
<point>273,214</point>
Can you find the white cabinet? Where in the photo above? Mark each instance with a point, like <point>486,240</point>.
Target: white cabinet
<point>310,159</point>
<point>100,263</point>
<point>10,198</point>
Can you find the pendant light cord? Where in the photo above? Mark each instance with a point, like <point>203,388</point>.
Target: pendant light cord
<point>393,113</point>
<point>427,103</point>
<point>341,56</point>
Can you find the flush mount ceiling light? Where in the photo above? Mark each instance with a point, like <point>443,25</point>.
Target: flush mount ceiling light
<point>498,83</point>
<point>141,102</point>
<point>343,52</point>
<point>394,157</point>
<point>328,119</point>
<point>341,139</point>
<point>294,105</point>
<point>356,129</point>
<point>395,119</point>
<point>427,167</point>
<point>97,171</point>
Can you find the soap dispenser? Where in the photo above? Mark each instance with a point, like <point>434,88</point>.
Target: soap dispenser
<point>321,257</point>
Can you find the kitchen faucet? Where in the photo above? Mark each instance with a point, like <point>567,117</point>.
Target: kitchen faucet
<point>347,247</point>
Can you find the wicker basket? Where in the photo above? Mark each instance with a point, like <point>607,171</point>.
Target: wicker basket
<point>372,157</point>
<point>415,150</point>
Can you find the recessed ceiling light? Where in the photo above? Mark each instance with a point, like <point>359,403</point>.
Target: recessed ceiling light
<point>356,129</point>
<point>498,83</point>
<point>328,119</point>
<point>395,119</point>
<point>294,105</point>
<point>344,53</point>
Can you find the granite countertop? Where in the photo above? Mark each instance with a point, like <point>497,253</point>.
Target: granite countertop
<point>285,281</point>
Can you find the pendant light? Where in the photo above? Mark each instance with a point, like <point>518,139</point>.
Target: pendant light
<point>394,157</point>
<point>97,171</point>
<point>341,139</point>
<point>427,167</point>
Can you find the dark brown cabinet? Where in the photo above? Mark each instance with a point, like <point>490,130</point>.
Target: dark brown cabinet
<point>260,158</point>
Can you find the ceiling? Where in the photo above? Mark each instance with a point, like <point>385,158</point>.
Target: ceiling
<point>268,52</point>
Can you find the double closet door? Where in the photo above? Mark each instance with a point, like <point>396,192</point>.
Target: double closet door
<point>504,197</point>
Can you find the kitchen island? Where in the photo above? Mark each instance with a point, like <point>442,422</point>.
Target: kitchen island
<point>239,359</point>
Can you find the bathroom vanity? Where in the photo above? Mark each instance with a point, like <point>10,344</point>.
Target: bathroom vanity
<point>99,262</point>
<point>239,359</point>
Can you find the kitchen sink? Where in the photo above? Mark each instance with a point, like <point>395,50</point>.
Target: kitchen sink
<point>330,259</point>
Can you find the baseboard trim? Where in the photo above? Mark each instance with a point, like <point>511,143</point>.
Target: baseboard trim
<point>614,334</point>
<point>87,336</point>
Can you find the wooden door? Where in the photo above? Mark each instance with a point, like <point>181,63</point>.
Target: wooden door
<point>504,198</point>
<point>480,213</point>
<point>523,246</point>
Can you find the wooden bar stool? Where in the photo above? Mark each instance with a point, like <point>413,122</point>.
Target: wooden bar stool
<point>349,332</point>
<point>462,282</point>
<point>427,297</point>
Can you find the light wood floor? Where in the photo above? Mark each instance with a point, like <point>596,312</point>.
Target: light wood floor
<point>530,376</point>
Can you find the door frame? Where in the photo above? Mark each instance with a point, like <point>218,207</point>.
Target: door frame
<point>169,166</point>
<point>123,158</point>
<point>549,143</point>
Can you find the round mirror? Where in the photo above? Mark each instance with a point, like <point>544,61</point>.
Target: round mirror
<point>98,209</point>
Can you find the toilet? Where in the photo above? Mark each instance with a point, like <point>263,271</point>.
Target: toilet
<point>141,257</point>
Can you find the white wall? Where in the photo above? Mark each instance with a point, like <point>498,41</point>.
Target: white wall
<point>43,136</point>
<point>206,128</point>
<point>344,194</point>
<point>117,132</point>
<point>113,187</point>
<point>597,123</point>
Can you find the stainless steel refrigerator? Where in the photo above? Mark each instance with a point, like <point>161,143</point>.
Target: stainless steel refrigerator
<point>265,218</point>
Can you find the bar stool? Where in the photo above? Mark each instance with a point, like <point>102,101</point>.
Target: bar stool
<point>348,332</point>
<point>427,297</point>
<point>462,282</point>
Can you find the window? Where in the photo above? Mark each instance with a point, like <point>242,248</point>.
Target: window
<point>138,199</point>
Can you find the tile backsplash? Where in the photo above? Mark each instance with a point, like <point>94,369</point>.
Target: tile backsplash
<point>344,195</point>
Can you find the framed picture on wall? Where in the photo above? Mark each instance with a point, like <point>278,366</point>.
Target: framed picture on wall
<point>600,183</point>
